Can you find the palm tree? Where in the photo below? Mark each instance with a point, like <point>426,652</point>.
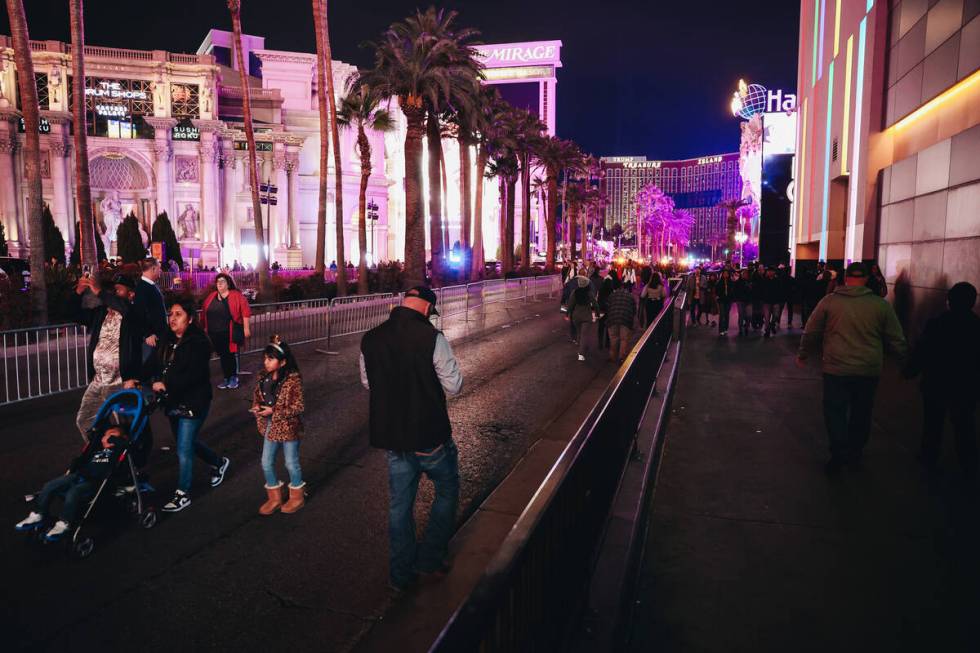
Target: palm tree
<point>83,194</point>
<point>27,88</point>
<point>360,108</point>
<point>319,262</point>
<point>422,62</point>
<point>433,138</point>
<point>557,157</point>
<point>528,133</point>
<point>324,53</point>
<point>575,198</point>
<point>235,7</point>
<point>505,165</point>
<point>486,113</point>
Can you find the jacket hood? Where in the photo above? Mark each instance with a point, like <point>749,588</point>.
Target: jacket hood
<point>853,291</point>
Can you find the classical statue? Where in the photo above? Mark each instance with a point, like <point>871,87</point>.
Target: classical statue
<point>111,217</point>
<point>187,221</point>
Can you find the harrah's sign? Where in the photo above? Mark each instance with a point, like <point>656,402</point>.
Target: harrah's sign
<point>777,101</point>
<point>501,55</point>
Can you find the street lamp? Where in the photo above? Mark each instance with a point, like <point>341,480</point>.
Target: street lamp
<point>740,238</point>
<point>372,215</point>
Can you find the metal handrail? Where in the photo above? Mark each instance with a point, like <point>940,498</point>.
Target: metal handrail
<point>528,594</point>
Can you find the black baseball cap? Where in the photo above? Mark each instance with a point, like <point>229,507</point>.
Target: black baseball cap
<point>425,293</point>
<point>123,280</point>
<point>857,269</point>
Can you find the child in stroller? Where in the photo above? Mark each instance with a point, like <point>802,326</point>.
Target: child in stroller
<point>114,440</point>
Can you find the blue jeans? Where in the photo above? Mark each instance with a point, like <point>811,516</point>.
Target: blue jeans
<point>185,431</point>
<point>76,490</point>
<point>290,453</point>
<point>441,465</point>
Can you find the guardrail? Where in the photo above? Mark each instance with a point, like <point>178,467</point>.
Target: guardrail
<point>48,360</point>
<point>532,591</point>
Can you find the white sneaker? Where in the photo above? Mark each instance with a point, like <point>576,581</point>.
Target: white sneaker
<point>178,503</point>
<point>581,357</point>
<point>57,531</point>
<point>32,521</point>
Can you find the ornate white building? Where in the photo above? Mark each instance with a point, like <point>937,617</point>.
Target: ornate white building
<point>165,134</point>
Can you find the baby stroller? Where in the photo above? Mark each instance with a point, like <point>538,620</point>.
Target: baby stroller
<point>124,482</point>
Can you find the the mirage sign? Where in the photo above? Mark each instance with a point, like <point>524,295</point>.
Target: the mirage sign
<point>507,55</point>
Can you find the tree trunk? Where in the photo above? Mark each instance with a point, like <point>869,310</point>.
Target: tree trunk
<point>551,219</point>
<point>234,6</point>
<point>337,172</point>
<point>585,232</point>
<point>414,219</point>
<point>525,212</point>
<point>465,196</point>
<point>364,148</point>
<point>319,262</point>
<point>433,141</point>
<point>27,89</point>
<point>444,190</point>
<point>570,222</point>
<point>479,258</point>
<point>508,258</point>
<point>83,194</point>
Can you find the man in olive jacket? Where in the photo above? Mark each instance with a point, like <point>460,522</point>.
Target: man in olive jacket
<point>854,325</point>
<point>409,368</point>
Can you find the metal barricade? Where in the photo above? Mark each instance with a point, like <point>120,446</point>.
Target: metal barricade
<point>357,314</point>
<point>494,290</point>
<point>296,322</point>
<point>513,289</point>
<point>43,361</point>
<point>452,300</point>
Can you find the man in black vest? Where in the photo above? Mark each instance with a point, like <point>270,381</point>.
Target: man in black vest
<point>409,367</point>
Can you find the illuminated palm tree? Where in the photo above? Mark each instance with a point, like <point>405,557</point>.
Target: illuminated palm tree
<point>528,133</point>
<point>488,112</point>
<point>425,63</point>
<point>83,194</point>
<point>235,7</point>
<point>360,109</point>
<point>27,88</point>
<point>558,157</point>
<point>325,54</point>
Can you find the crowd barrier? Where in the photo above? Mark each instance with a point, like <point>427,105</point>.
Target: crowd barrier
<point>48,360</point>
<point>532,593</point>
<point>244,279</point>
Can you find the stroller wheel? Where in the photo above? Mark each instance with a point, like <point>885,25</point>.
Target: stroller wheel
<point>149,519</point>
<point>83,547</point>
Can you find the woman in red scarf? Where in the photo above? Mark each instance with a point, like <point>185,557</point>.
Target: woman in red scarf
<point>225,318</point>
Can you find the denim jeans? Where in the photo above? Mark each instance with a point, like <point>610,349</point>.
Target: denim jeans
<point>847,405</point>
<point>724,313</point>
<point>771,314</point>
<point>185,431</point>
<point>76,490</point>
<point>290,451</point>
<point>441,465</point>
<point>744,316</point>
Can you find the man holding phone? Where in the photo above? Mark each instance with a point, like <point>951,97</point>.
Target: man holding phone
<point>114,350</point>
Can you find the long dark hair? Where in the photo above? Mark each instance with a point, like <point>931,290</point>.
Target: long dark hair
<point>280,350</point>
<point>227,278</point>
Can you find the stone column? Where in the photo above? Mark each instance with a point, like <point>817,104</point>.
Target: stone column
<point>228,235</point>
<point>280,212</point>
<point>59,148</point>
<point>10,193</point>
<point>164,164</point>
<point>210,150</point>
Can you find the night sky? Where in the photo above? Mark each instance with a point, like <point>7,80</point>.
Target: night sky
<point>642,77</point>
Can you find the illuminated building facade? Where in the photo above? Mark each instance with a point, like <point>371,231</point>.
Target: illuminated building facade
<point>166,134</point>
<point>697,185</point>
<point>888,141</point>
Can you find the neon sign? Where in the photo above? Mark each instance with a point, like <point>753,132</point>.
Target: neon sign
<point>632,165</point>
<point>709,159</point>
<point>111,110</point>
<point>508,54</point>
<point>115,90</point>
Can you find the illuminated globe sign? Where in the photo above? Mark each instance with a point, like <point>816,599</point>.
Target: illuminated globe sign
<point>754,99</point>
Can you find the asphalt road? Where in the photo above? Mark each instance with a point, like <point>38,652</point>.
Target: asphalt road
<point>220,577</point>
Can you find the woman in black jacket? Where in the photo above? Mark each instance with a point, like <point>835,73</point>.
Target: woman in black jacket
<point>183,377</point>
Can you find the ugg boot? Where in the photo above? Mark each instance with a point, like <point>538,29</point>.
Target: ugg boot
<point>297,499</point>
<point>274,502</point>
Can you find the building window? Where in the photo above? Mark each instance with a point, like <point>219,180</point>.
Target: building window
<point>115,107</point>
<point>185,101</point>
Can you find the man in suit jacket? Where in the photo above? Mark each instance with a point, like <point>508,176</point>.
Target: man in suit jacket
<point>149,308</point>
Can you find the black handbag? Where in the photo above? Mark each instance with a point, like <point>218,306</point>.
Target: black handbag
<point>238,333</point>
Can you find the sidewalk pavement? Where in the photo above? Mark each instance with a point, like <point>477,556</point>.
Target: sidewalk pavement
<point>750,547</point>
